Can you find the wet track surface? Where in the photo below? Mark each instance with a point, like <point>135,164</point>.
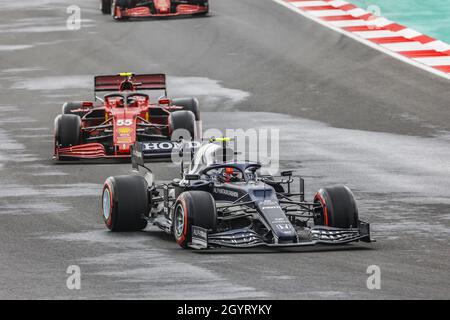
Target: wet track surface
<point>379,126</point>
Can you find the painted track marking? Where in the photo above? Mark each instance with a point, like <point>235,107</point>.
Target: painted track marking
<point>391,38</point>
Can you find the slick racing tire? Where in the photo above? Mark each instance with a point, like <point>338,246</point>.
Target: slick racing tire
<point>182,120</point>
<point>68,107</point>
<point>105,6</point>
<point>337,208</point>
<point>125,203</point>
<point>190,104</point>
<point>193,208</point>
<point>68,130</point>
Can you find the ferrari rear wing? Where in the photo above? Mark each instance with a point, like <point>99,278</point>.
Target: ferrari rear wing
<point>140,82</point>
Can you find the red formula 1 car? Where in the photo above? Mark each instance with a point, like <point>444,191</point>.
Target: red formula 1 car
<point>125,9</point>
<point>107,127</point>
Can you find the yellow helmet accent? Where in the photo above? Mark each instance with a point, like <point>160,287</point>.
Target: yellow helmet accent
<point>126,74</point>
<point>220,140</point>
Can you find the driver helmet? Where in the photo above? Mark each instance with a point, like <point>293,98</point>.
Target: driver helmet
<point>119,103</point>
<point>131,102</point>
<point>230,174</point>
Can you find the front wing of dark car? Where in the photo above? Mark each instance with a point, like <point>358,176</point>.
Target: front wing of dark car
<point>247,238</point>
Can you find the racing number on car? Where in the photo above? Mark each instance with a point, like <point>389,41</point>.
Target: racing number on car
<point>122,122</point>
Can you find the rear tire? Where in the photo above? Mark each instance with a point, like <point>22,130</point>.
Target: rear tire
<point>190,104</point>
<point>124,203</point>
<point>69,106</point>
<point>182,119</point>
<point>105,6</point>
<point>338,208</point>
<point>193,208</point>
<point>68,130</point>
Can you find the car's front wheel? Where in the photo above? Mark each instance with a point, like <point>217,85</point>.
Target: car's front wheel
<point>67,130</point>
<point>105,6</point>
<point>125,203</point>
<point>336,208</point>
<point>193,208</point>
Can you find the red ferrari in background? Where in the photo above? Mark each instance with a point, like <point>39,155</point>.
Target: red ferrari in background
<point>124,9</point>
<point>109,126</point>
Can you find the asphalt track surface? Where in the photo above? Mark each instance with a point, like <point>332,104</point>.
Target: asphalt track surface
<point>347,114</point>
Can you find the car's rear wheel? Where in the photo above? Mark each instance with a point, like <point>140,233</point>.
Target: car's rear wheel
<point>69,107</point>
<point>105,6</point>
<point>190,104</point>
<point>125,203</point>
<point>182,123</point>
<point>193,208</point>
<point>67,130</point>
<point>336,208</point>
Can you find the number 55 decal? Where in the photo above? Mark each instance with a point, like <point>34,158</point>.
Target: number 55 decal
<point>121,122</point>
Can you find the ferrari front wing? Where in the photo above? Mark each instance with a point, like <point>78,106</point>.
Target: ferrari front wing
<point>145,12</point>
<point>150,150</point>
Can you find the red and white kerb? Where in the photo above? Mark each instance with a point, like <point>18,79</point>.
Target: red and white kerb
<point>393,38</point>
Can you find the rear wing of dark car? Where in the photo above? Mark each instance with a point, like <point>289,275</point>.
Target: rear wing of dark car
<point>140,82</point>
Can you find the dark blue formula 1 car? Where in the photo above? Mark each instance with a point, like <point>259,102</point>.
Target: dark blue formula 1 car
<point>220,202</point>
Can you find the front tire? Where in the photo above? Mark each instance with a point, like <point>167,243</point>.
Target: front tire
<point>125,203</point>
<point>337,208</point>
<point>67,130</point>
<point>105,6</point>
<point>193,208</point>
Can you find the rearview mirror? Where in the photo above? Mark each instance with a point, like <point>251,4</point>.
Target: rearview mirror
<point>191,177</point>
<point>286,173</point>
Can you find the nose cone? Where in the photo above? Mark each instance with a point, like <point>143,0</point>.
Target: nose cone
<point>124,133</point>
<point>162,6</point>
<point>124,148</point>
<point>279,223</point>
